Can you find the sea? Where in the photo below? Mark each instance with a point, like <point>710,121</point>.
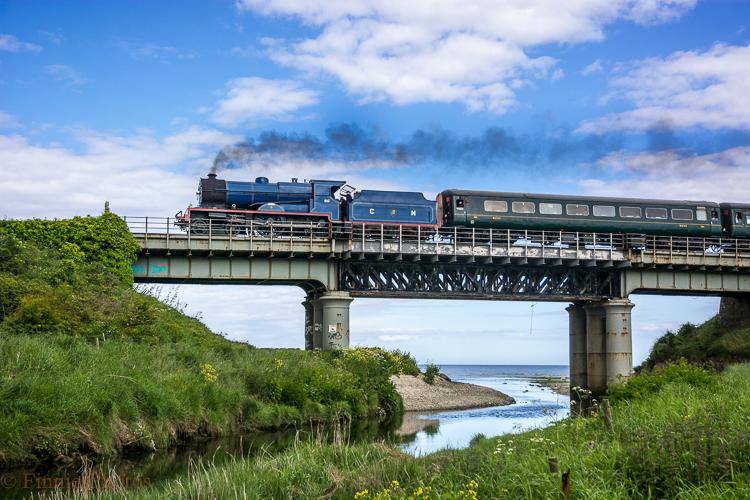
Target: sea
<point>536,406</point>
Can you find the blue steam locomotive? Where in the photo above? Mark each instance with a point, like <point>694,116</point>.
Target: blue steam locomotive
<point>230,207</point>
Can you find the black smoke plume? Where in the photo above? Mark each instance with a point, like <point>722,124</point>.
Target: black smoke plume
<point>434,146</point>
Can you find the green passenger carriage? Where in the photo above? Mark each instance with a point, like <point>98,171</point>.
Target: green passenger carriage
<point>734,219</point>
<point>547,212</point>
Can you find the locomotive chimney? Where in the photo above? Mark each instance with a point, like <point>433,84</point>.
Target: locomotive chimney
<point>212,175</point>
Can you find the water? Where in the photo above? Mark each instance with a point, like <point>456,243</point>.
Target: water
<point>415,433</point>
<point>535,406</point>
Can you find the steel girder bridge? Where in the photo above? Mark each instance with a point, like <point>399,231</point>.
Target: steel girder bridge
<point>334,265</point>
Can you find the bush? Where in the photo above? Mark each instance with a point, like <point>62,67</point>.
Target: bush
<point>430,372</point>
<point>709,341</point>
<point>104,239</point>
<point>645,384</point>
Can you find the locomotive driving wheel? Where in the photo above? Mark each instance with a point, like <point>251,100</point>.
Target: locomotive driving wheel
<point>199,227</point>
<point>263,225</point>
<point>236,228</point>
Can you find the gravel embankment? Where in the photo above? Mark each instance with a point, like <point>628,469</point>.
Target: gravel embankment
<point>444,394</point>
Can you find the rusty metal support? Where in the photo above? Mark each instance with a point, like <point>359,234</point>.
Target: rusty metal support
<point>619,341</point>
<point>578,345</point>
<point>309,323</point>
<point>596,348</point>
<point>335,306</point>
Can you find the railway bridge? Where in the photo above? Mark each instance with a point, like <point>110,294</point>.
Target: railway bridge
<point>337,263</point>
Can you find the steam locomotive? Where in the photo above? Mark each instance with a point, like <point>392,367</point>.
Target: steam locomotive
<point>228,206</point>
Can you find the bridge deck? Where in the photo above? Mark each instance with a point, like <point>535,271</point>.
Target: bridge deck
<point>465,245</point>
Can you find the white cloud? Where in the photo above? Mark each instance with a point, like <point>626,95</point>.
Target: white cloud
<point>138,175</point>
<point>60,72</point>
<point>54,37</point>
<point>592,68</point>
<point>467,51</point>
<point>687,89</point>
<point>673,174</point>
<point>7,120</point>
<point>138,50</point>
<point>249,100</point>
<point>249,51</point>
<point>149,50</point>
<point>11,44</point>
<point>395,338</point>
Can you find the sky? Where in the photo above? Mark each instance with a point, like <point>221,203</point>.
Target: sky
<point>132,102</point>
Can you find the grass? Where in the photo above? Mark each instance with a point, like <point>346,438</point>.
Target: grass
<point>685,440</point>
<point>89,365</point>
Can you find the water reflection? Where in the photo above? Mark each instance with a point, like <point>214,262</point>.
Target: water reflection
<point>174,462</point>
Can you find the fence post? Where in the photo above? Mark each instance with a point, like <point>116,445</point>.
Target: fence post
<point>607,414</point>
<point>210,236</point>
<point>168,252</point>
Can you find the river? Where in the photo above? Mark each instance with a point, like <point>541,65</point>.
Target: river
<point>414,433</point>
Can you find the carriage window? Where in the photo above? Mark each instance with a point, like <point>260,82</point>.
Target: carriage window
<point>738,217</point>
<point>577,209</point>
<point>523,207</point>
<point>495,206</point>
<point>656,213</point>
<point>634,212</point>
<point>604,211</point>
<point>682,214</point>
<point>701,214</point>
<point>550,208</point>
<point>714,215</point>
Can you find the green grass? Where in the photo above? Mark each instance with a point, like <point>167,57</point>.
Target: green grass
<point>684,441</point>
<point>158,377</point>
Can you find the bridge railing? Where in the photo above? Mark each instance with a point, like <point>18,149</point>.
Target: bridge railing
<point>395,238</point>
<point>227,229</point>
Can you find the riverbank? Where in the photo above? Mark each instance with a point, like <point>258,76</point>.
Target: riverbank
<point>91,367</point>
<point>444,394</point>
<point>687,439</point>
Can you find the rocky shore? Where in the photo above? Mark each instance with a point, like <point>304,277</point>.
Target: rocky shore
<point>445,395</point>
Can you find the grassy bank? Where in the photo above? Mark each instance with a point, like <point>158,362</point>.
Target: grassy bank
<point>679,439</point>
<point>709,341</point>
<point>89,365</point>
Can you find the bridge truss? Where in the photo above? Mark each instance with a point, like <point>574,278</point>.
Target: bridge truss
<point>453,280</point>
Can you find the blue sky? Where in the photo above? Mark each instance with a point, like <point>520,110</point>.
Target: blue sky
<point>130,102</point>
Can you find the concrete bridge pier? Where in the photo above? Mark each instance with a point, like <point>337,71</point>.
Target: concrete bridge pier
<point>578,349</point>
<point>596,348</point>
<point>309,323</point>
<point>619,341</point>
<point>317,332</point>
<point>601,344</point>
<point>335,312</point>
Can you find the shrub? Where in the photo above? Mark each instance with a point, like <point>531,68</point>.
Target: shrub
<point>104,239</point>
<point>430,372</point>
<point>645,384</point>
<point>293,394</point>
